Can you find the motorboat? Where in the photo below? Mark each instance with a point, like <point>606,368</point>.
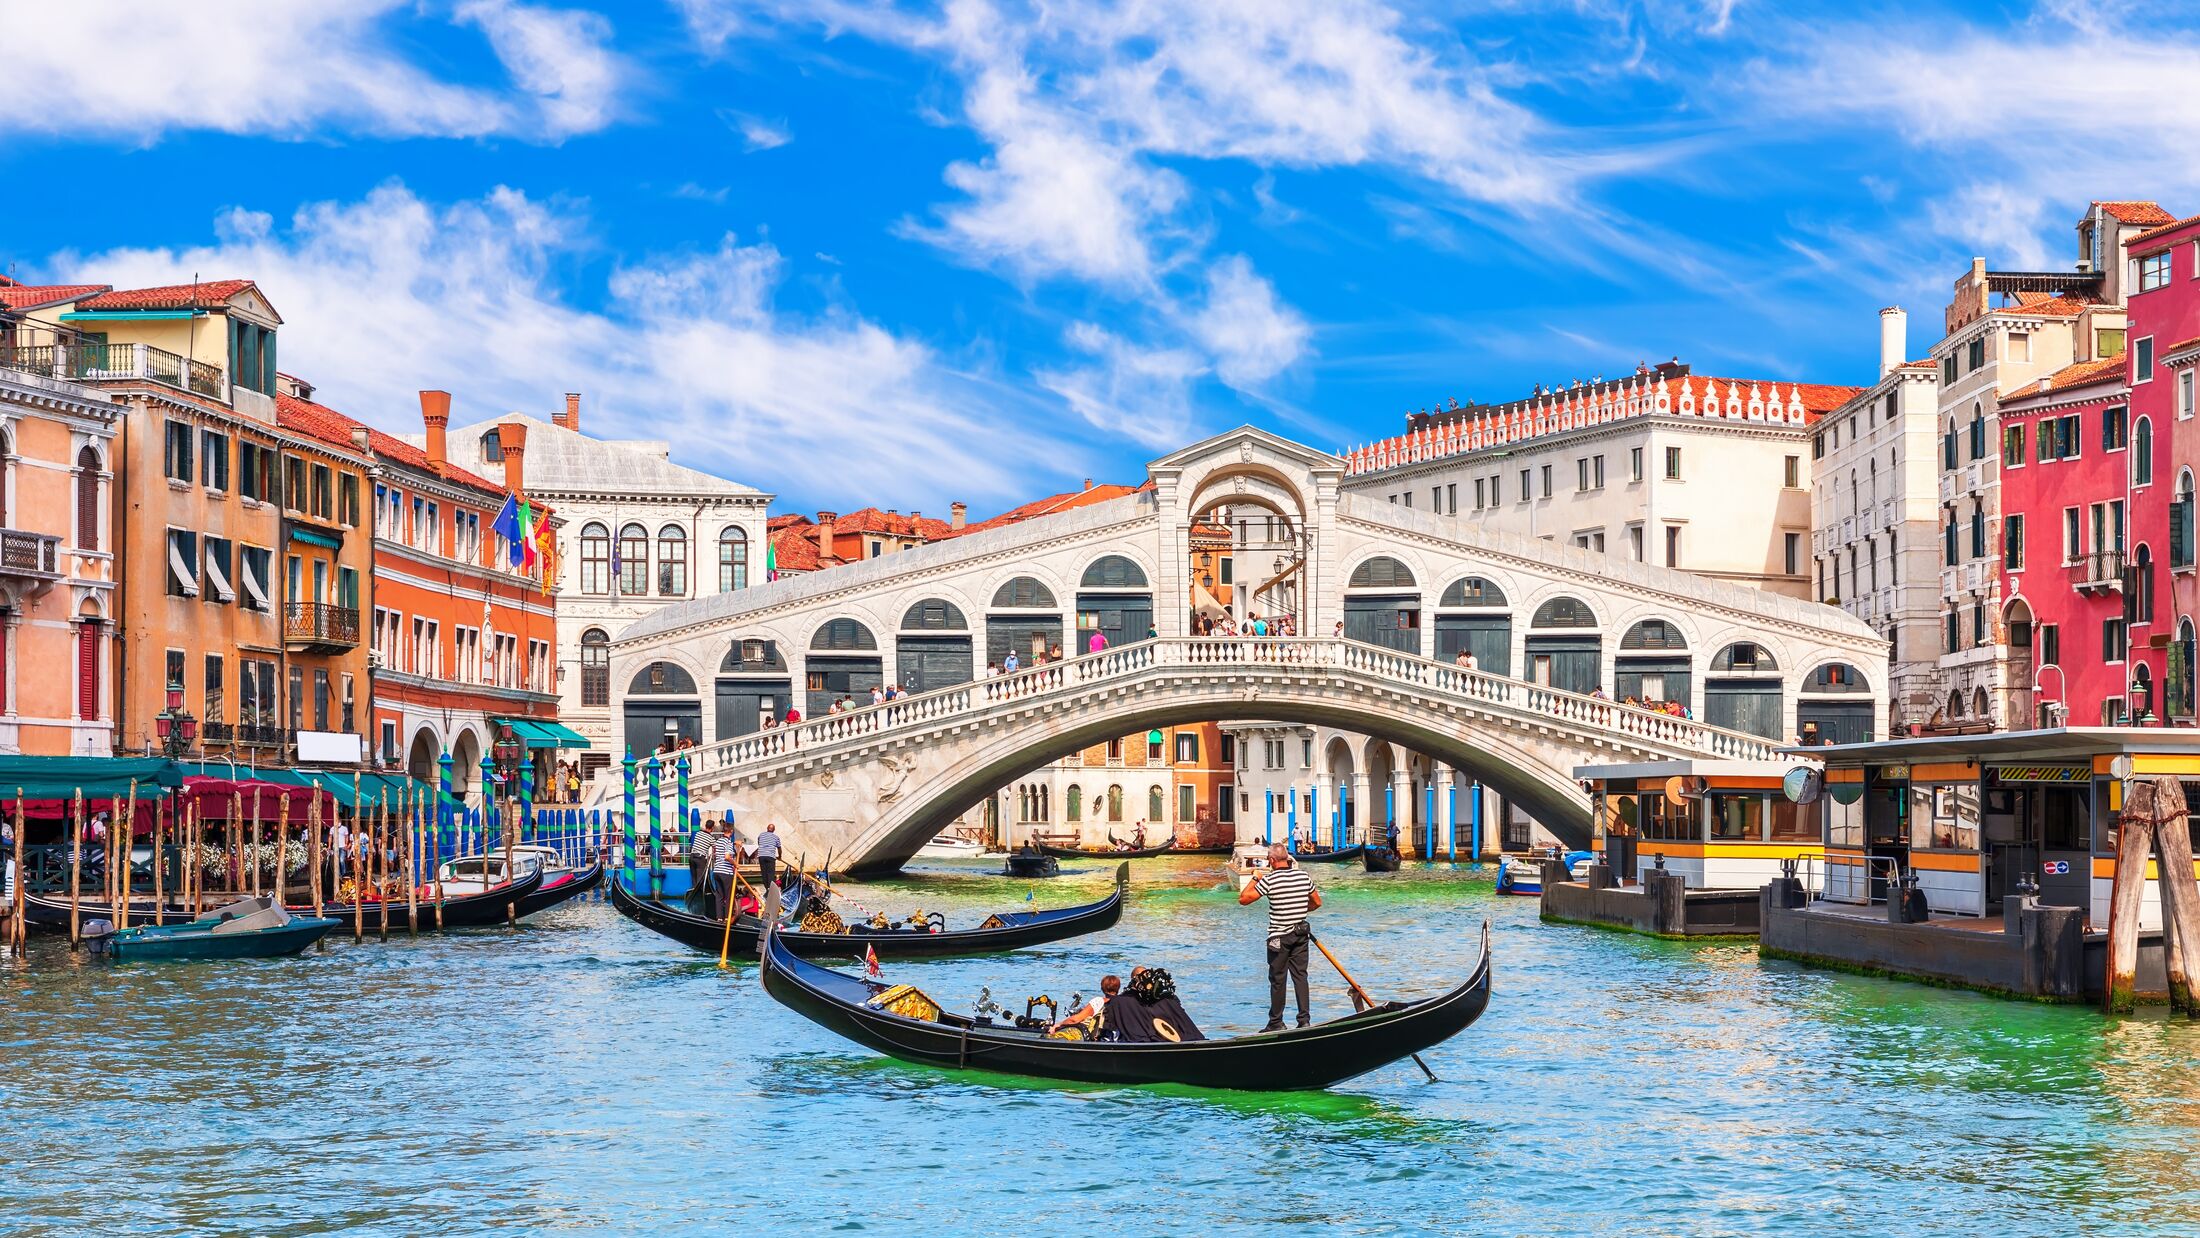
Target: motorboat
<point>950,847</point>
<point>253,928</point>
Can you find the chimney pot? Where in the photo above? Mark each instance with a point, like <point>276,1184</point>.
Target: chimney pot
<point>571,418</point>
<point>825,537</point>
<point>1088,483</point>
<point>512,441</point>
<point>362,438</point>
<point>435,414</point>
<point>1894,339</point>
<point>957,513</point>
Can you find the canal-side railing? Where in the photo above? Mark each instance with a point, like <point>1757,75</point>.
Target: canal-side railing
<point>1253,655</point>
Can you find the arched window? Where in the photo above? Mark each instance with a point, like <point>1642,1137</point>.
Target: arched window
<point>1113,572</point>
<point>1979,706</point>
<point>672,561</point>
<point>492,448</point>
<point>2177,694</point>
<point>1744,657</point>
<point>1073,803</point>
<point>1115,803</point>
<point>1653,634</point>
<point>595,666</point>
<point>2142,453</point>
<point>662,679</point>
<point>2142,585</point>
<point>1472,592</point>
<point>2181,523</point>
<point>733,559</point>
<point>934,615</point>
<point>595,558</point>
<point>90,632</point>
<point>1024,592</point>
<point>2142,689</point>
<point>843,635</point>
<point>1564,612</point>
<point>1834,677</point>
<point>1156,810</point>
<point>87,499</point>
<point>1955,703</point>
<point>631,561</point>
<point>1381,572</point>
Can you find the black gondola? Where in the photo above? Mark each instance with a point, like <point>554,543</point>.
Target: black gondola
<point>1292,1060</point>
<point>1379,859</point>
<point>476,910</point>
<point>1008,930</point>
<point>1339,855</point>
<point>1025,864</point>
<point>562,888</point>
<point>45,913</point>
<point>1079,853</point>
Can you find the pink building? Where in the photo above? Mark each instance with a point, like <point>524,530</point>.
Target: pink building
<point>2164,279</point>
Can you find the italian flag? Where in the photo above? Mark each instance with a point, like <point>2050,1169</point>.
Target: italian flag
<point>771,559</point>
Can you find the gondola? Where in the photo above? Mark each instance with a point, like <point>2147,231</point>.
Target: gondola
<point>561,886</point>
<point>477,910</point>
<point>249,929</point>
<point>1025,864</point>
<point>1080,853</point>
<point>1287,1061</point>
<point>1008,930</point>
<point>1379,858</point>
<point>1338,855</point>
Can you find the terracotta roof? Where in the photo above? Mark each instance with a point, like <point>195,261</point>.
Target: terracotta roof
<point>330,426</point>
<point>2149,213</point>
<point>2153,234</point>
<point>2085,373</point>
<point>2181,346</point>
<point>2041,305</point>
<point>794,552</point>
<point>31,296</point>
<point>170,296</point>
<point>872,520</point>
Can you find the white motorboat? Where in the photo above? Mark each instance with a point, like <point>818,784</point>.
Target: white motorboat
<point>950,847</point>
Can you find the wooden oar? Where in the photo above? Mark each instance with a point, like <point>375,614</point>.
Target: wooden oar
<point>1360,999</point>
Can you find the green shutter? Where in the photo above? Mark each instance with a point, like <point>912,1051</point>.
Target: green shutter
<point>267,360</point>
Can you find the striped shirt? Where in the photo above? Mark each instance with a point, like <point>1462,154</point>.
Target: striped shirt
<point>1290,895</point>
<point>722,852</point>
<point>702,846</point>
<point>767,844</point>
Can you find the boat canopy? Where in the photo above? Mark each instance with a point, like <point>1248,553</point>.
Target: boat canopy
<point>97,778</point>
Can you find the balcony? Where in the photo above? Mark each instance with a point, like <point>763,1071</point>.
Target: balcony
<point>2101,570</point>
<point>86,361</point>
<point>260,734</point>
<point>214,733</point>
<point>35,557</point>
<point>317,627</point>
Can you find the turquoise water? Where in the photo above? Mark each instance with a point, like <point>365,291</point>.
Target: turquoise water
<point>584,1075</point>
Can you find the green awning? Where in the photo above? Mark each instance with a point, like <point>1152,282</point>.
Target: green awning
<point>161,315</point>
<point>538,734</point>
<point>105,778</point>
<point>310,538</point>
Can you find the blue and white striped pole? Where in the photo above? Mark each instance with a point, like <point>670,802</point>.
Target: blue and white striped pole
<point>443,810</point>
<point>1268,820</point>
<point>1291,824</point>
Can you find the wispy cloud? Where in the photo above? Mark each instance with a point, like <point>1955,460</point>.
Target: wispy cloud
<point>757,133</point>
<point>688,347</point>
<point>692,192</point>
<point>138,69</point>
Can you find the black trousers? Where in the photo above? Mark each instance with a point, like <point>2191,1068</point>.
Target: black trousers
<point>1287,957</point>
<point>767,867</point>
<point>721,888</point>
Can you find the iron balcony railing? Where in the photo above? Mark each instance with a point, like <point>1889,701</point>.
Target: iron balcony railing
<point>90,361</point>
<point>2101,569</point>
<point>24,553</point>
<point>260,733</point>
<point>320,623</point>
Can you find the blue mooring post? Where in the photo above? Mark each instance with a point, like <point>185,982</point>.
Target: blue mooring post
<point>1340,817</point>
<point>1390,811</point>
<point>656,828</point>
<point>1474,840</point>
<point>1428,817</point>
<point>1268,821</point>
<point>626,820</point>
<point>1291,823</point>
<point>1451,819</point>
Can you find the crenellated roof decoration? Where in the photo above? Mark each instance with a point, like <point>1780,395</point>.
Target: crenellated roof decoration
<point>1456,431</point>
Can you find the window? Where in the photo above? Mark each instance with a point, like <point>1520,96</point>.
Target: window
<point>1634,464</point>
<point>733,559</point>
<point>2073,538</point>
<point>219,573</point>
<point>294,483</point>
<point>1451,498</point>
<point>1527,490</point>
<point>1672,545</point>
<point>1817,451</point>
<point>2113,639</point>
<point>1187,748</point>
<point>1436,499</point>
<point>2181,524</point>
<point>1673,463</point>
<point>255,472</point>
<point>183,560</point>
<point>2012,542</point>
<point>2108,341</point>
<point>256,564</point>
<point>2049,637</point>
<point>349,721</point>
<point>1153,748</point>
<point>1187,807</point>
<point>177,458</point>
<point>595,667</point>
<point>1478,504</point>
<point>1949,557</point>
<point>347,496</point>
<point>1978,530</point>
<point>2139,603</point>
<point>214,705</point>
<point>213,460</point>
<point>2066,437</point>
<point>1948,446</point>
<point>2184,394</point>
<point>87,499</point>
<point>2142,453</point>
<point>2142,360</point>
<point>324,496</point>
<point>1634,541</point>
<point>1546,484</point>
<point>431,527</point>
<point>630,559</point>
<point>1975,354</point>
<point>1581,473</point>
<point>2115,434</point>
<point>2012,446</point>
<point>1948,370</point>
<point>1497,486</point>
<point>320,699</point>
<point>1978,433</point>
<point>2154,271</point>
<point>672,561</point>
<point>297,698</point>
<point>1952,635</point>
<point>1791,472</point>
<point>595,558</point>
<point>1791,545</point>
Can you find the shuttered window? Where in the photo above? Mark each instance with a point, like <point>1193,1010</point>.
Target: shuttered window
<point>87,500</point>
<point>87,670</point>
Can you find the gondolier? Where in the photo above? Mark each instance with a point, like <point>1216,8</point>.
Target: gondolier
<point>702,850</point>
<point>766,851</point>
<point>1291,897</point>
<point>724,855</point>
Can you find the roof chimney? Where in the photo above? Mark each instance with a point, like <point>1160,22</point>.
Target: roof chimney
<point>825,536</point>
<point>957,513</point>
<point>435,414</point>
<point>512,441</point>
<point>362,439</point>
<point>1088,483</point>
<point>570,419</point>
<point>1894,339</point>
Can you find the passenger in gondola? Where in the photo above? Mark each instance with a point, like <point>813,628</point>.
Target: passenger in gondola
<point>1092,1010</point>
<point>1147,1011</point>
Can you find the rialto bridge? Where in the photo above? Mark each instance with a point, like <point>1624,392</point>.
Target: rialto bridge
<point>1381,600</point>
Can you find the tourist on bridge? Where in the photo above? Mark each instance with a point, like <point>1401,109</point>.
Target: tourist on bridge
<point>1291,897</point>
<point>1098,642</point>
<point>1008,664</point>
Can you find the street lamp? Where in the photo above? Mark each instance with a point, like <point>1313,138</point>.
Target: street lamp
<point>175,726</point>
<point>506,750</point>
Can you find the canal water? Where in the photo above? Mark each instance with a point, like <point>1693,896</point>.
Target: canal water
<point>583,1075</point>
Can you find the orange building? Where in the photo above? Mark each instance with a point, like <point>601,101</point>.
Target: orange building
<point>464,644</point>
<point>1176,782</point>
<point>240,555</point>
<point>57,603</point>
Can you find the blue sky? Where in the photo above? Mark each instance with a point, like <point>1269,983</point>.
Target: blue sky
<point>907,254</point>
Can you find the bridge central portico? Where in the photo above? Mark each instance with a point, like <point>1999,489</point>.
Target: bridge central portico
<point>1382,599</point>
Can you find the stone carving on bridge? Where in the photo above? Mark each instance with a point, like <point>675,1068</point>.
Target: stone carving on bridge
<point>897,772</point>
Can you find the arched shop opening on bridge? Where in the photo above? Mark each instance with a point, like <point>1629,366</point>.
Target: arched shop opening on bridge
<point>1382,605</point>
<point>844,662</point>
<point>753,687</point>
<point>1115,599</point>
<point>1472,617</point>
<point>662,704</point>
<point>1024,620</point>
<point>933,648</point>
<point>1564,648</point>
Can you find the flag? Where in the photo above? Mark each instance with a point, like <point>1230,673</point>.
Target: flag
<point>771,560</point>
<point>507,527</point>
<point>525,551</point>
<point>870,961</point>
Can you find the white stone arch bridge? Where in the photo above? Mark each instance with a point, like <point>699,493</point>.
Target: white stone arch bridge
<point>1550,626</point>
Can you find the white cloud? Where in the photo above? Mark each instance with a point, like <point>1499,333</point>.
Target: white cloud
<point>1251,335</point>
<point>1128,389</point>
<point>391,293</point>
<point>137,69</point>
<point>692,192</point>
<point>756,132</point>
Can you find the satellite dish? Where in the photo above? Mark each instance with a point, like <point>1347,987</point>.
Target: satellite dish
<point>1803,784</point>
<point>2121,767</point>
<point>1845,792</point>
<point>1673,794</point>
<point>1681,788</point>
